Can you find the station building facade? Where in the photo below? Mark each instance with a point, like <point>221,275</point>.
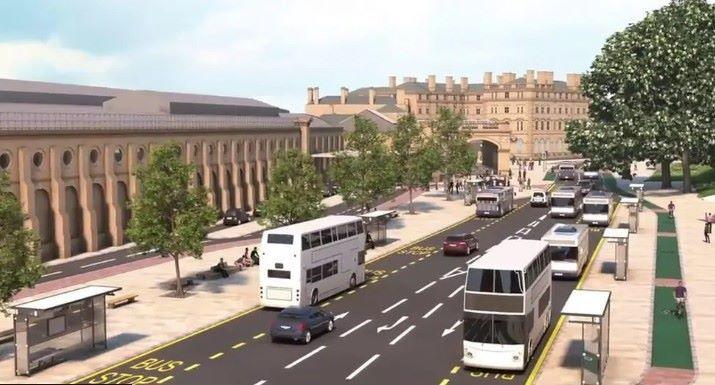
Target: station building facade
<point>71,153</point>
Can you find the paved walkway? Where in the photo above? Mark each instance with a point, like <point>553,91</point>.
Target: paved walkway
<point>157,317</point>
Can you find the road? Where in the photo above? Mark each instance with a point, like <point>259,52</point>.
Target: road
<point>414,293</point>
<point>123,256</point>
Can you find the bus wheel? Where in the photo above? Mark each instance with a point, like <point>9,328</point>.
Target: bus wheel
<point>314,297</point>
<point>353,281</point>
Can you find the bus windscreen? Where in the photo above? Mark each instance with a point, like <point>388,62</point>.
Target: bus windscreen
<point>595,208</point>
<point>494,329</point>
<point>494,281</point>
<point>283,239</point>
<point>563,253</point>
<point>562,202</point>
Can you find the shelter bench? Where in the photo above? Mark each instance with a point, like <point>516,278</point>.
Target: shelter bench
<point>121,300</point>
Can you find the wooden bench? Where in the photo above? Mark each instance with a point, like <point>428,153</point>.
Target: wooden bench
<point>210,274</point>
<point>7,336</point>
<point>121,300</point>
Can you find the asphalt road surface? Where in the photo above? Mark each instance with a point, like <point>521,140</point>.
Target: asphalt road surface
<point>120,257</point>
<point>414,294</point>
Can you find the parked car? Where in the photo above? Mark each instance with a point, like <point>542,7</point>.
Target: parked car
<point>234,217</point>
<point>300,324</point>
<point>539,198</point>
<point>460,244</point>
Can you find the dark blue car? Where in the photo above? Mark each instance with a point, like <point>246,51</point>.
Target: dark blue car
<point>300,324</point>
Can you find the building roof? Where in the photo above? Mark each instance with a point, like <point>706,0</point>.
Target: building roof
<point>390,109</point>
<point>510,254</point>
<point>347,122</point>
<point>67,297</point>
<point>314,224</point>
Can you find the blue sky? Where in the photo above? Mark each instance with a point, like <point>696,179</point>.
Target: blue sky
<point>273,50</point>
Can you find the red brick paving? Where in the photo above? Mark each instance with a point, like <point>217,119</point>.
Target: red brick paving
<point>667,376</point>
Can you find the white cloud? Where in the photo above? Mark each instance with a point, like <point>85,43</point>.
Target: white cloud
<point>33,59</point>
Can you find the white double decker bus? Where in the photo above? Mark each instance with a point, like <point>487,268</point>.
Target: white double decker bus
<point>507,305</point>
<point>306,262</point>
<point>597,208</point>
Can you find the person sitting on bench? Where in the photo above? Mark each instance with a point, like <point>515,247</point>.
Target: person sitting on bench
<point>221,267</point>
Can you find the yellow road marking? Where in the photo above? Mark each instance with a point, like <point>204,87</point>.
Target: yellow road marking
<point>192,367</point>
<point>454,370</point>
<point>238,345</point>
<point>444,382</point>
<point>168,344</point>
<point>165,379</point>
<point>257,336</point>
<point>215,356</point>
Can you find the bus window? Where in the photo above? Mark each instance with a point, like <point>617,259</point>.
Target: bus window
<point>326,237</point>
<point>562,202</point>
<point>507,281</point>
<point>330,268</point>
<point>305,241</point>
<point>284,239</point>
<point>480,280</point>
<point>563,253</point>
<point>285,274</point>
<point>313,275</point>
<point>314,239</point>
<point>494,329</point>
<point>334,232</point>
<point>359,227</point>
<point>351,229</point>
<point>342,232</point>
<point>478,327</point>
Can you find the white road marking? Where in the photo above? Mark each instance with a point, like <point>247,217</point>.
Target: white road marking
<point>429,313</point>
<point>305,357</point>
<point>425,287</point>
<point>534,224</point>
<point>398,338</point>
<point>261,382</point>
<point>457,290</point>
<point>343,315</point>
<point>523,231</point>
<point>49,274</point>
<point>385,327</point>
<point>356,327</point>
<point>141,253</point>
<point>541,218</point>
<point>473,259</point>
<point>398,303</point>
<point>363,366</point>
<point>451,330</point>
<point>512,237</point>
<point>98,263</point>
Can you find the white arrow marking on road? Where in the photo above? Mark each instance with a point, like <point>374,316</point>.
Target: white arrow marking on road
<point>541,218</point>
<point>449,272</point>
<point>356,327</point>
<point>534,224</point>
<point>385,327</point>
<point>339,316</point>
<point>425,287</point>
<point>363,366</point>
<point>451,330</point>
<point>429,313</point>
<point>523,231</point>
<point>398,303</point>
<point>305,357</point>
<point>398,338</point>
<point>457,290</point>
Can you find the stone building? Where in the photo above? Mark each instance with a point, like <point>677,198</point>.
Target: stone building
<point>71,152</point>
<point>525,117</point>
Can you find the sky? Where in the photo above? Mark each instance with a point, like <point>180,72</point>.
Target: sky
<point>274,50</point>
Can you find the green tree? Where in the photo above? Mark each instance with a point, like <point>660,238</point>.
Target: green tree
<point>19,264</point>
<point>415,158</point>
<point>651,88</point>
<point>456,156</point>
<point>295,192</point>
<point>364,172</point>
<point>168,214</point>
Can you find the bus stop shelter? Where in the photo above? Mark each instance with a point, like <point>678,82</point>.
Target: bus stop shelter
<point>376,224</point>
<point>591,309</point>
<point>638,188</point>
<point>632,204</point>
<point>49,329</point>
<point>620,238</point>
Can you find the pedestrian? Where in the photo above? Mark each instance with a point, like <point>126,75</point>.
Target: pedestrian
<point>255,258</point>
<point>680,294</point>
<point>671,208</point>
<point>508,182</point>
<point>528,183</point>
<point>459,185</point>
<point>450,186</point>
<point>523,176</point>
<point>708,230</point>
<point>509,173</point>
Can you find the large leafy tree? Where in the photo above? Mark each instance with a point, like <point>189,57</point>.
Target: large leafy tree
<point>651,89</point>
<point>364,172</point>
<point>169,214</point>
<point>19,264</point>
<point>294,191</point>
<point>415,158</point>
<point>456,156</point>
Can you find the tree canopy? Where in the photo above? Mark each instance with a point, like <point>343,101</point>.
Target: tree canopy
<point>168,213</point>
<point>456,156</point>
<point>651,91</point>
<point>20,265</point>
<point>295,191</point>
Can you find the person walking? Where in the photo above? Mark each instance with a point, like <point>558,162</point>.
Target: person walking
<point>671,209</point>
<point>450,186</point>
<point>681,294</point>
<point>708,230</point>
<point>528,183</point>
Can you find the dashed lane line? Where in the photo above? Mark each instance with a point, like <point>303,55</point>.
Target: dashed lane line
<point>404,333</point>
<point>305,357</point>
<point>398,303</point>
<point>215,356</point>
<point>257,336</point>
<point>456,291</point>
<point>454,370</point>
<point>165,379</point>
<point>261,382</point>
<point>238,345</point>
<point>192,367</point>
<point>356,327</point>
<point>425,287</point>
<point>444,381</point>
<point>98,263</point>
<point>434,309</point>
<point>362,367</point>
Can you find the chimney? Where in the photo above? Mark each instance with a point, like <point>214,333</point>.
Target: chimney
<point>508,77</point>
<point>310,95</point>
<point>499,79</point>
<point>529,77</point>
<point>573,81</point>
<point>392,81</point>
<point>449,84</point>
<point>316,95</point>
<point>544,77</point>
<point>464,84</point>
<point>371,96</point>
<point>487,78</point>
<point>343,95</point>
<point>431,83</point>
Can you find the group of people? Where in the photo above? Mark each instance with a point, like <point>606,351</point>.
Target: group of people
<point>244,261</point>
<point>454,187</point>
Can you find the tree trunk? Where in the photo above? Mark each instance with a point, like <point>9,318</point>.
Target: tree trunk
<point>412,207</point>
<point>448,178</point>
<point>179,287</point>
<point>665,174</point>
<point>686,172</point>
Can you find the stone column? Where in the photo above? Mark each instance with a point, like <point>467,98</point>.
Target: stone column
<point>250,194</point>
<point>27,187</point>
<point>259,171</point>
<point>110,187</point>
<point>86,200</point>
<point>270,153</point>
<point>206,166</point>
<point>236,175</point>
<point>132,165</point>
<point>59,208</point>
<point>223,183</point>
